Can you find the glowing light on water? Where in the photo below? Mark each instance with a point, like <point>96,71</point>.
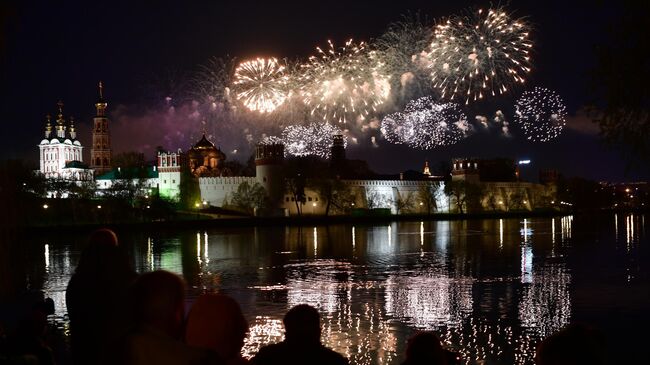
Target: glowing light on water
<point>263,330</point>
<point>526,263</point>
<point>46,255</point>
<point>421,233</point>
<point>545,305</point>
<point>150,258</point>
<point>566,223</point>
<point>205,248</point>
<point>198,248</point>
<point>553,231</point>
<point>315,242</point>
<point>501,233</point>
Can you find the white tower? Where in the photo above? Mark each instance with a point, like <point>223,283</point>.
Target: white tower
<point>268,171</point>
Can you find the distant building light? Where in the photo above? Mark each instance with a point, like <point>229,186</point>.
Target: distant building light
<point>500,201</point>
<point>45,206</point>
<point>148,207</point>
<point>99,207</point>
<point>197,205</point>
<point>313,204</point>
<point>523,162</point>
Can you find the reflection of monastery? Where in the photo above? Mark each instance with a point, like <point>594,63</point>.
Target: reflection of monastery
<point>61,157</point>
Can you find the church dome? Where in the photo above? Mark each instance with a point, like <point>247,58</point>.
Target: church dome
<point>204,144</point>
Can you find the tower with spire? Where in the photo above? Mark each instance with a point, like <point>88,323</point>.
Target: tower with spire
<point>100,152</point>
<point>61,154</point>
<point>426,170</point>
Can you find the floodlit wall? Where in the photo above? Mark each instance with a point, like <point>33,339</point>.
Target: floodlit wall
<point>216,190</point>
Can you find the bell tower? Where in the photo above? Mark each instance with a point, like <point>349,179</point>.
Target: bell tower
<point>100,152</point>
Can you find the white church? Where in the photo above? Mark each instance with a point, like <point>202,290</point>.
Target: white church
<point>61,153</point>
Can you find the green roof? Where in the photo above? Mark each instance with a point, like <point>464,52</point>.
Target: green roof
<point>75,165</point>
<point>148,172</point>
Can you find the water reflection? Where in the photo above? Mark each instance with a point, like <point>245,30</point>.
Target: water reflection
<point>490,288</point>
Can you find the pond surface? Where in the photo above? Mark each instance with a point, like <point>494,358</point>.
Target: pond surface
<point>490,288</point>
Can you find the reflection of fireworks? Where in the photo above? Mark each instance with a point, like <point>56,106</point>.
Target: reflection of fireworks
<point>261,84</point>
<point>426,124</point>
<point>312,139</point>
<point>479,55</point>
<point>344,84</point>
<point>541,113</point>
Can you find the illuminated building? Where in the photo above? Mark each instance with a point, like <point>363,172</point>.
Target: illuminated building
<point>61,153</point>
<point>169,173</point>
<point>205,159</point>
<point>100,152</point>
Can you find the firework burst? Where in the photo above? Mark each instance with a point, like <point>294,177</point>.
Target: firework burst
<point>479,55</point>
<point>425,124</point>
<point>261,84</point>
<point>541,114</point>
<point>311,139</point>
<point>344,84</point>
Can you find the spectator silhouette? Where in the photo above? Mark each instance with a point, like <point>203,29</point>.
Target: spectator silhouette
<point>573,345</point>
<point>159,299</point>
<point>216,323</point>
<point>28,344</point>
<point>425,348</point>
<point>97,298</point>
<point>301,343</point>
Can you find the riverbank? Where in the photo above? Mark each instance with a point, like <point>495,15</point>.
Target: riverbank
<point>195,220</point>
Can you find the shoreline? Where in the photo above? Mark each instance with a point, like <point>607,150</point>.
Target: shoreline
<point>306,220</point>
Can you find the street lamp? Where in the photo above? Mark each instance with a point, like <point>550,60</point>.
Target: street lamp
<point>45,206</point>
<point>99,207</point>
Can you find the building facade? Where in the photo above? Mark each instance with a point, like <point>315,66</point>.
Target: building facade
<point>60,152</point>
<point>100,151</point>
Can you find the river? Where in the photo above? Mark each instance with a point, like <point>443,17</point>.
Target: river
<point>491,288</point>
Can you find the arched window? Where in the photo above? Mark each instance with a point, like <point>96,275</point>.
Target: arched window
<point>98,161</point>
<point>105,161</point>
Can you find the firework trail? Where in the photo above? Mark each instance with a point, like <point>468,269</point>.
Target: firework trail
<point>541,113</point>
<point>479,55</point>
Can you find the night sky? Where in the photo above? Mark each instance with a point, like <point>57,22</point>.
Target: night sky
<point>59,50</point>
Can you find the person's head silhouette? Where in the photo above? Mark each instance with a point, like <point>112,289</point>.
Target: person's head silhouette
<point>159,301</point>
<point>302,325</point>
<point>425,348</point>
<point>216,323</point>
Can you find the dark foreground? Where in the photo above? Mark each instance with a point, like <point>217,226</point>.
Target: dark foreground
<point>490,288</point>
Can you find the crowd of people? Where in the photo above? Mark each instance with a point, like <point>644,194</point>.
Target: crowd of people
<point>120,317</point>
